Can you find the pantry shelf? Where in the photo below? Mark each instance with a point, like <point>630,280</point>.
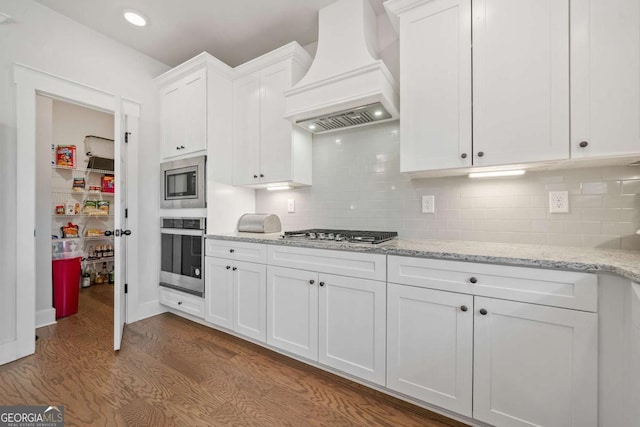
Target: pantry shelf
<point>82,170</point>
<point>83,193</point>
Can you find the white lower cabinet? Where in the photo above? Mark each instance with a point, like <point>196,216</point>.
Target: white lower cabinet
<point>292,307</point>
<point>235,295</point>
<point>430,346</point>
<point>534,365</point>
<point>336,320</point>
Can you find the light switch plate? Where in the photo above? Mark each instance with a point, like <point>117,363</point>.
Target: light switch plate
<point>428,204</point>
<point>291,205</point>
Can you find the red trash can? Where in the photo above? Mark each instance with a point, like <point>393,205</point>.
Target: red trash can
<point>66,286</point>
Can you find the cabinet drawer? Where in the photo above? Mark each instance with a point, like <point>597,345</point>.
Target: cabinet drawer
<point>343,263</point>
<point>240,251</point>
<point>547,287</point>
<point>189,304</point>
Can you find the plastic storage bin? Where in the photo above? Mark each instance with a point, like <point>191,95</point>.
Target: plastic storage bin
<point>66,286</point>
<point>66,249</point>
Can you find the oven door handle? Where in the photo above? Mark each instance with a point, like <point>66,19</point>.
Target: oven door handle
<point>181,231</point>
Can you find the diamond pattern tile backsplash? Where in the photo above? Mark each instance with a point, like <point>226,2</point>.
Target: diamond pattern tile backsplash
<point>357,184</point>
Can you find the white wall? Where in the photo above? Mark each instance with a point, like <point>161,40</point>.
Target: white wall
<point>43,39</point>
<point>357,184</point>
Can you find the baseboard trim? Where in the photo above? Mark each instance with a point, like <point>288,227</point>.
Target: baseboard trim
<point>148,309</point>
<point>45,317</point>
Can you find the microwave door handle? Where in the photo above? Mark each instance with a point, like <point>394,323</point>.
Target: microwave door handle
<point>183,232</point>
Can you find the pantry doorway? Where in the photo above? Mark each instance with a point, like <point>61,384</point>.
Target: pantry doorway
<point>30,84</point>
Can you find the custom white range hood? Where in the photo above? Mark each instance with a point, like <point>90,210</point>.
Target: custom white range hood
<point>347,85</point>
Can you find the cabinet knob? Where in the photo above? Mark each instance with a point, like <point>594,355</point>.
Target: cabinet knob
<point>321,283</point>
<point>483,311</point>
<point>480,153</point>
<point>463,155</point>
<point>464,308</point>
<point>311,282</point>
<point>255,176</point>
<point>583,144</point>
<point>473,280</point>
<point>177,148</point>
<point>261,175</point>
<point>228,267</point>
<point>179,302</point>
<point>232,250</point>
<point>234,268</point>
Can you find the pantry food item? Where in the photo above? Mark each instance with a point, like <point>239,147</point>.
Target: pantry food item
<point>70,207</point>
<point>108,184</point>
<point>94,232</point>
<point>79,184</point>
<point>90,208</point>
<point>70,230</point>
<point>94,189</point>
<point>103,207</point>
<point>66,156</point>
<point>59,209</point>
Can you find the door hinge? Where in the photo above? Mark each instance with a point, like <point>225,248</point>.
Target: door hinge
<point>126,213</point>
<point>126,288</point>
<point>126,137</point>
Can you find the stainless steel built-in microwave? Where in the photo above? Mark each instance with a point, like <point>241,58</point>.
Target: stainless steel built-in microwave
<point>183,183</point>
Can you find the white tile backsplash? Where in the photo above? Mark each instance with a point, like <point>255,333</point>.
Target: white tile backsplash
<point>357,184</point>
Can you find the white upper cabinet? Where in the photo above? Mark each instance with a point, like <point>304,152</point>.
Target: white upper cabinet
<point>268,148</point>
<point>435,91</point>
<point>195,115</point>
<point>605,65</point>
<point>520,81</point>
<point>519,66</point>
<point>184,115</point>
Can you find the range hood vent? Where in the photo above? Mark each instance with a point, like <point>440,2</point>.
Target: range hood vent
<point>347,118</point>
<point>347,85</point>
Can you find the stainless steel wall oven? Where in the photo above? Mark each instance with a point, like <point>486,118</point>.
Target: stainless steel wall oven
<point>182,253</point>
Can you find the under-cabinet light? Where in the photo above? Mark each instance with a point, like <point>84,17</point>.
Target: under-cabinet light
<point>278,187</point>
<point>514,172</point>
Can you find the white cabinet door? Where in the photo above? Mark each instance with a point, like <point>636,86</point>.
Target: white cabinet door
<point>534,365</point>
<point>172,110</point>
<point>435,54</point>
<point>352,326</point>
<point>430,346</point>
<point>292,322</point>
<point>195,114</point>
<point>218,292</point>
<point>246,131</point>
<point>250,299</point>
<point>605,88</point>
<point>275,131</point>
<point>184,115</point>
<point>520,81</point>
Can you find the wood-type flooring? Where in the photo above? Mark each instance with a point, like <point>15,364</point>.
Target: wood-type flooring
<point>171,371</point>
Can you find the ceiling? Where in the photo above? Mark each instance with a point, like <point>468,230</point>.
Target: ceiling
<point>233,31</point>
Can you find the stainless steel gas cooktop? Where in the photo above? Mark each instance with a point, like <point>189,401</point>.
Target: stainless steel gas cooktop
<point>348,236</point>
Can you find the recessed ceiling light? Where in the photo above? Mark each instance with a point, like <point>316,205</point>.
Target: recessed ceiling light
<point>377,113</point>
<point>135,18</point>
<point>496,173</point>
<point>312,127</point>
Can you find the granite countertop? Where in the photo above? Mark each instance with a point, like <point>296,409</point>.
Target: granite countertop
<point>593,260</point>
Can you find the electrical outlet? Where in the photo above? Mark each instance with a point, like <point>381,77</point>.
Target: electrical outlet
<point>428,204</point>
<point>558,201</point>
<point>291,205</point>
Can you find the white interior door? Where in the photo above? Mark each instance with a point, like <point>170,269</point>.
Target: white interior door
<point>126,129</point>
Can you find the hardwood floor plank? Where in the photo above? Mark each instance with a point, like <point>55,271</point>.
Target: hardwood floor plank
<point>171,371</point>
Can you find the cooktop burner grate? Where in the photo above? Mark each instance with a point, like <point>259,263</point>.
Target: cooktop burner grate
<point>350,236</point>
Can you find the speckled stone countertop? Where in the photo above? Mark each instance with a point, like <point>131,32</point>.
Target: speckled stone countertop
<point>593,260</point>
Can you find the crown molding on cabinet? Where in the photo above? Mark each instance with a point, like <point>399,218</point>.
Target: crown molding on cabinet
<point>192,64</point>
<point>289,51</point>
